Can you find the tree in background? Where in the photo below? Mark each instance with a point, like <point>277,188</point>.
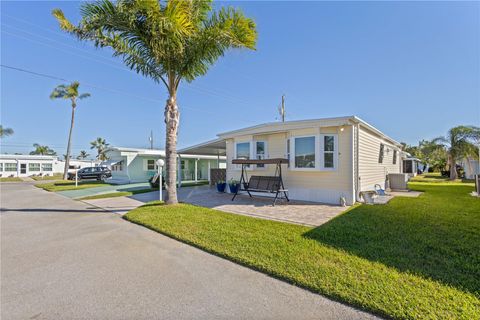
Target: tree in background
<point>101,145</point>
<point>5,132</point>
<point>459,143</point>
<point>168,41</point>
<point>42,150</point>
<point>83,155</point>
<point>69,92</point>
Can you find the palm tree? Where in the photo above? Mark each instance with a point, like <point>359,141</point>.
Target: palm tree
<point>42,150</point>
<point>459,142</point>
<point>101,145</point>
<point>69,92</point>
<point>5,132</point>
<point>168,41</point>
<point>83,155</point>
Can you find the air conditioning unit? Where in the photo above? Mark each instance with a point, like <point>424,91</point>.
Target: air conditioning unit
<point>398,181</point>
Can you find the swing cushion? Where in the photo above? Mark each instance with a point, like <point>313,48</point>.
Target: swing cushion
<point>263,184</point>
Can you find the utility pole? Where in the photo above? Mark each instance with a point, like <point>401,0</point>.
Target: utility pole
<point>281,109</point>
<point>151,139</point>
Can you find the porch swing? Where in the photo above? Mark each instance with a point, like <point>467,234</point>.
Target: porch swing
<point>263,184</point>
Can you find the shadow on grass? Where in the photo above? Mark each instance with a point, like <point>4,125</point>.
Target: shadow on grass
<point>436,236</point>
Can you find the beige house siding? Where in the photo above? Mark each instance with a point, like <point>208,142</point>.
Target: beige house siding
<point>312,185</point>
<point>372,172</point>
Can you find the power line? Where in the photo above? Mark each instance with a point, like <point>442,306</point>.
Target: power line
<point>191,86</point>
<point>107,89</point>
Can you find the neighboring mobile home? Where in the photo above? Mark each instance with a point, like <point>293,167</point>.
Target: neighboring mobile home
<point>329,159</point>
<point>25,165</point>
<point>132,165</point>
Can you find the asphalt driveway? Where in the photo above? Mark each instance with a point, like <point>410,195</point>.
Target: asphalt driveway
<point>62,259</point>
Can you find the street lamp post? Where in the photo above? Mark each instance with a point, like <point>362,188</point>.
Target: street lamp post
<point>160,164</point>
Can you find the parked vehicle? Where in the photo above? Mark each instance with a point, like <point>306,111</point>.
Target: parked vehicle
<point>98,173</point>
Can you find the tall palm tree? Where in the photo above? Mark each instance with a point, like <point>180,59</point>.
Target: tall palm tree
<point>83,155</point>
<point>168,41</point>
<point>460,142</point>
<point>42,150</point>
<point>101,145</point>
<point>5,132</point>
<point>69,92</point>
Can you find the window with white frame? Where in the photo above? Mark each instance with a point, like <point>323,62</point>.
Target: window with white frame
<point>47,167</point>
<point>1,166</point>
<point>328,151</point>
<point>34,167</point>
<point>304,152</point>
<point>260,152</point>
<point>118,166</point>
<point>10,167</point>
<point>151,164</point>
<point>242,150</point>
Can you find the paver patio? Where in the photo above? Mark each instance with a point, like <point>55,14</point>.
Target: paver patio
<point>300,212</point>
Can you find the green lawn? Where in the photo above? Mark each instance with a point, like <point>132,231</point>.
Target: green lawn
<point>435,177</point>
<point>64,185</point>
<point>57,176</point>
<point>414,258</point>
<point>118,194</point>
<point>10,179</point>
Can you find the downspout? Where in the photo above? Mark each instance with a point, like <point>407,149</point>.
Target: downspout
<point>357,166</point>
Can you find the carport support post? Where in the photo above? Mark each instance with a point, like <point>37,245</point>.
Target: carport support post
<point>196,169</point>
<point>179,171</point>
<point>160,164</point>
<point>76,178</point>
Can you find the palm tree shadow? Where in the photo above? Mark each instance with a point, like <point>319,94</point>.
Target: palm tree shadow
<point>406,242</point>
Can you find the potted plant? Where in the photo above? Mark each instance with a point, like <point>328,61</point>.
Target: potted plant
<point>221,185</point>
<point>233,185</point>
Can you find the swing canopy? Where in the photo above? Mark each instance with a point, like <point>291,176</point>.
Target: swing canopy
<point>258,161</point>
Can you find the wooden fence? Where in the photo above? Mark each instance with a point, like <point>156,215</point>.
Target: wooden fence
<point>217,175</point>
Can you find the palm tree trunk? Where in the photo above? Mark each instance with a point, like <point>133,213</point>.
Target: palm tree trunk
<point>172,118</point>
<point>453,168</point>
<point>67,160</point>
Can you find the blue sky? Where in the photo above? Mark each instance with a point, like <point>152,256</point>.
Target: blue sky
<point>410,69</point>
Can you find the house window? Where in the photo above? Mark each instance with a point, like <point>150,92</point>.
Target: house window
<point>328,151</point>
<point>10,167</point>
<point>34,167</point>
<point>243,150</point>
<point>151,164</point>
<point>260,152</point>
<point>118,166</point>
<point>1,166</point>
<point>381,154</point>
<point>47,167</point>
<point>395,157</point>
<point>305,152</point>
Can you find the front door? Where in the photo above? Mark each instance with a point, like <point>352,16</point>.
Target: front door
<point>23,168</point>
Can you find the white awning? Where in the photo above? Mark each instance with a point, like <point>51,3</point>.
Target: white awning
<point>215,147</point>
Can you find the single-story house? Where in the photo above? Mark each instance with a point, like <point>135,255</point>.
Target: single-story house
<point>20,165</point>
<point>24,165</point>
<point>132,165</point>
<point>329,159</point>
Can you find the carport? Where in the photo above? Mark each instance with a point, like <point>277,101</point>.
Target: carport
<point>216,147</point>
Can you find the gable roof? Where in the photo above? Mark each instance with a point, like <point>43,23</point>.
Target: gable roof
<point>277,127</point>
